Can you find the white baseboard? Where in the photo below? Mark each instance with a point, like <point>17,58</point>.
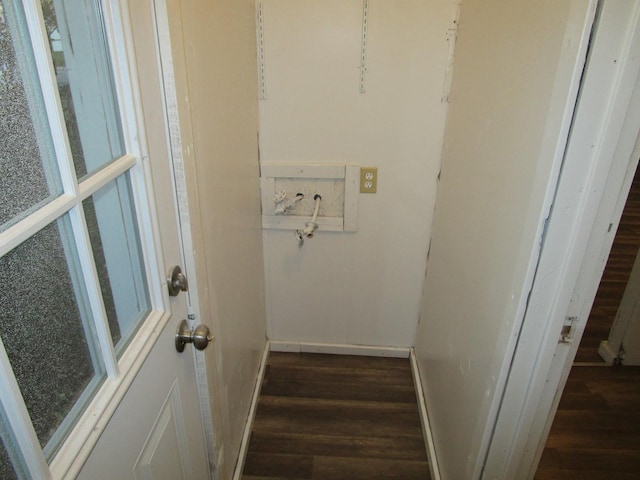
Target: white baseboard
<point>604,350</point>
<point>339,349</point>
<point>246,435</point>
<point>395,352</point>
<point>424,418</point>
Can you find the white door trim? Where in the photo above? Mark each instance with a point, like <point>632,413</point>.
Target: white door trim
<point>577,241</point>
<point>615,348</point>
<point>179,134</point>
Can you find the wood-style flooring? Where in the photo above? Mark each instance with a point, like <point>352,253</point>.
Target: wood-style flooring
<point>596,431</point>
<point>336,417</point>
<point>614,279</point>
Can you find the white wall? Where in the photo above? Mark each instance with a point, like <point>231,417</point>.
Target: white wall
<point>215,63</point>
<point>513,67</point>
<point>363,287</point>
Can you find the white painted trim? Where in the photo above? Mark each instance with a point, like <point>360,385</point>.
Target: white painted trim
<point>292,170</point>
<point>24,229</point>
<point>297,222</point>
<point>424,418</point>
<point>75,450</point>
<point>112,171</point>
<point>557,290</point>
<point>607,353</point>
<point>93,291</point>
<point>563,101</point>
<point>48,85</point>
<point>350,174</point>
<point>18,420</point>
<point>36,221</point>
<point>339,349</point>
<point>246,434</point>
<point>178,134</point>
<point>626,317</point>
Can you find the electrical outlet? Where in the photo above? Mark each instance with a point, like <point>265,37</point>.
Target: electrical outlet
<point>368,179</point>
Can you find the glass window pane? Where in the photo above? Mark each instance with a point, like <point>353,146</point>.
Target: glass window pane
<point>29,175</point>
<point>7,471</point>
<point>85,82</point>
<point>45,325</point>
<point>11,462</point>
<point>115,240</point>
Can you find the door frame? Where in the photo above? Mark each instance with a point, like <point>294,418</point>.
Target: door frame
<point>612,349</point>
<point>171,61</point>
<point>594,181</point>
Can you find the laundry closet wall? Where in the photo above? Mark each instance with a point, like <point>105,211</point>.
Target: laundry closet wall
<point>214,60</point>
<point>517,71</point>
<point>363,287</point>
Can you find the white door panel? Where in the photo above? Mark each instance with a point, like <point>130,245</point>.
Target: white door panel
<point>91,383</point>
<point>154,427</point>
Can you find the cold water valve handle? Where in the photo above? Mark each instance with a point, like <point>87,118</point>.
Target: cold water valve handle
<point>309,227</point>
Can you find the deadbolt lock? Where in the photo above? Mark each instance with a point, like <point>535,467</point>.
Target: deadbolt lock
<point>177,281</point>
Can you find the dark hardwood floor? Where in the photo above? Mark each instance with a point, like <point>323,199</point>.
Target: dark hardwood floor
<point>335,417</point>
<point>596,432</point>
<point>614,279</point>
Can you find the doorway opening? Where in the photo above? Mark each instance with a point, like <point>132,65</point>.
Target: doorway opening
<point>596,429</point>
<point>614,280</point>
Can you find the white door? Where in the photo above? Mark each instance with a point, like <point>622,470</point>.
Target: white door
<point>91,384</point>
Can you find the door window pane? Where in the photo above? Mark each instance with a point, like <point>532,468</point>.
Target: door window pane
<point>11,461</point>
<point>85,82</point>
<point>45,325</point>
<point>29,177</point>
<point>117,250</point>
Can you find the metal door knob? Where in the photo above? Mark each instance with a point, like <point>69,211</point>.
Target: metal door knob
<point>177,281</point>
<point>199,336</point>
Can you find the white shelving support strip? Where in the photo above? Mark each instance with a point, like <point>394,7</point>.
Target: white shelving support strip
<point>262,80</point>
<point>363,47</point>
<point>19,421</point>
<point>44,65</point>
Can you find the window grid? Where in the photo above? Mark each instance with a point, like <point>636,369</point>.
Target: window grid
<point>71,202</point>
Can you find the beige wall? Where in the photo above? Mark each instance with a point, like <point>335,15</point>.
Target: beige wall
<point>215,66</point>
<point>513,67</point>
<point>363,287</point>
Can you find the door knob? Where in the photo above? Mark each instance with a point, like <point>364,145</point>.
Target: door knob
<point>177,281</point>
<point>199,336</point>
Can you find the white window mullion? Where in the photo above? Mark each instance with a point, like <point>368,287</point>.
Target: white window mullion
<point>21,231</point>
<point>118,31</point>
<point>94,293</point>
<point>44,65</point>
<point>98,180</point>
<point>19,421</point>
<point>42,54</point>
